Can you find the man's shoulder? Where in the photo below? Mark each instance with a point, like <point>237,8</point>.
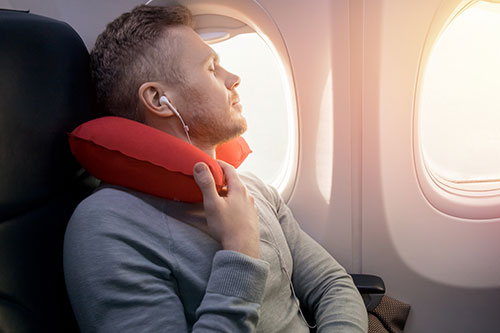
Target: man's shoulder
<point>113,206</point>
<point>108,198</point>
<point>253,182</point>
<point>258,188</point>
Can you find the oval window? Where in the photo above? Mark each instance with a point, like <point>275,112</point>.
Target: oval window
<point>459,105</point>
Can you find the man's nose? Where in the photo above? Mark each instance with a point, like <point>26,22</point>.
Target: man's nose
<point>232,81</point>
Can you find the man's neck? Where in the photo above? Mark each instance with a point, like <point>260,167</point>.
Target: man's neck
<point>174,130</point>
<point>210,150</point>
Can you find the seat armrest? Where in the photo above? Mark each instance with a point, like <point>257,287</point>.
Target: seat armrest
<point>371,288</point>
<point>368,284</point>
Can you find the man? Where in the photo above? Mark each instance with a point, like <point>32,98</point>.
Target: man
<point>237,263</point>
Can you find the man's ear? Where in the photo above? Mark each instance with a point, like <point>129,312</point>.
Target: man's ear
<point>149,98</point>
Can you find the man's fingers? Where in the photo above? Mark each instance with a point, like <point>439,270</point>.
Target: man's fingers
<point>205,181</point>
<point>232,179</point>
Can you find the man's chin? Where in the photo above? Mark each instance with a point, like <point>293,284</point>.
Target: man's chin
<point>238,107</point>
<point>235,132</point>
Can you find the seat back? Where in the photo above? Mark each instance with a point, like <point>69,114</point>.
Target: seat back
<point>45,92</point>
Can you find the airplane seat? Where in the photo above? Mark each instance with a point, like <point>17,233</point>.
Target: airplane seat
<point>45,92</point>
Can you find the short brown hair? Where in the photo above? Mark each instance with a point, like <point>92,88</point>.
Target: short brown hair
<point>127,54</point>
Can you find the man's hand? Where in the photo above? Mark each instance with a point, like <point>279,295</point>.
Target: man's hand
<point>232,219</point>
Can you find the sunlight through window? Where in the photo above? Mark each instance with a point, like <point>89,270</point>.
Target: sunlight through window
<point>459,111</point>
<point>265,104</point>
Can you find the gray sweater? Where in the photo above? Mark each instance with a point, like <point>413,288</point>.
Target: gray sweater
<point>136,263</point>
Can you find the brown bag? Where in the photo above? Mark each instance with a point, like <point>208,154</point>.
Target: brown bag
<point>389,316</point>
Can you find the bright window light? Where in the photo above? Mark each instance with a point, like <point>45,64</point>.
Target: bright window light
<point>265,106</point>
<point>459,114</point>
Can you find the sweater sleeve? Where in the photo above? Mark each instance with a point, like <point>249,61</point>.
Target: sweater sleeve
<point>234,294</point>
<point>120,278</point>
<point>320,282</point>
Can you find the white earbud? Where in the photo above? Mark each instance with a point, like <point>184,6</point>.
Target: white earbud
<point>164,100</point>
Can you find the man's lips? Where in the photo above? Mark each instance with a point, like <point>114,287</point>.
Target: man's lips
<point>235,98</point>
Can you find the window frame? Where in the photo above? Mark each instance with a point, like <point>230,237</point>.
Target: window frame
<point>468,201</point>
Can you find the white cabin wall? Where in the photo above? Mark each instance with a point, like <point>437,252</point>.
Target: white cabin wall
<point>317,38</point>
<point>443,266</point>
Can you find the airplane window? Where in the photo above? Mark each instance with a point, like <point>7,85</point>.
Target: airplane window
<point>459,106</point>
<point>266,105</point>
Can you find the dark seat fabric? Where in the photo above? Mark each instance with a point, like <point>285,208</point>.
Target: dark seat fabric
<point>45,92</point>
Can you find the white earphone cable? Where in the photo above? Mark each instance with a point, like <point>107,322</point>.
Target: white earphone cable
<point>164,99</point>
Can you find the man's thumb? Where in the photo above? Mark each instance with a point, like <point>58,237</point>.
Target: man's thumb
<point>205,180</point>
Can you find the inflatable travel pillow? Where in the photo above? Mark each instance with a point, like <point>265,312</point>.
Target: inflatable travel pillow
<point>124,152</point>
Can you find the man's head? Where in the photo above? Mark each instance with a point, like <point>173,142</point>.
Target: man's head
<point>153,52</point>
<point>128,53</point>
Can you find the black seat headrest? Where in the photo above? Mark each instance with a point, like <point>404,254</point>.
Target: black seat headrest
<point>44,92</point>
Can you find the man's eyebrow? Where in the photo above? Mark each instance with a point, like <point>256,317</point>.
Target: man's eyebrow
<point>212,55</point>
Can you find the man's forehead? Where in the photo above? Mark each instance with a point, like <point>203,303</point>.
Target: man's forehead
<point>211,54</point>
<point>192,44</point>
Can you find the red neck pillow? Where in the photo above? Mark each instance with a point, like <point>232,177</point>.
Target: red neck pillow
<point>124,152</point>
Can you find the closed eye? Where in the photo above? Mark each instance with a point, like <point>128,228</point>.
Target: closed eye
<point>212,69</point>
